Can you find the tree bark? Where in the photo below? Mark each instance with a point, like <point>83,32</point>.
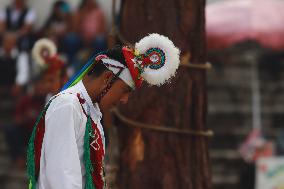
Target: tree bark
<point>152,159</point>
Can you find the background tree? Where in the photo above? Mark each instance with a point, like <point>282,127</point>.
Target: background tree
<point>154,159</point>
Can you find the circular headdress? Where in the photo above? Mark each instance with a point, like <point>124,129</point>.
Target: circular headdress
<point>44,53</point>
<point>160,58</point>
<point>43,49</point>
<point>155,59</point>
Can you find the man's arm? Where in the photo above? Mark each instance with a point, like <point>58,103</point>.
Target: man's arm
<point>63,169</point>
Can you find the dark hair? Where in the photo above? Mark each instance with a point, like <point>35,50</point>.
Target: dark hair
<point>116,54</point>
<point>63,6</point>
<point>97,69</point>
<point>113,53</point>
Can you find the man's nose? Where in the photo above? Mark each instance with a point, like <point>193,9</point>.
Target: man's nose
<point>124,99</point>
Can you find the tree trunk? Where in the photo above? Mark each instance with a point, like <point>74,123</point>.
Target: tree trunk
<point>152,159</point>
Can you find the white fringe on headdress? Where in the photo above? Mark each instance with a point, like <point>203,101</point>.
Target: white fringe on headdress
<point>39,46</point>
<point>162,75</point>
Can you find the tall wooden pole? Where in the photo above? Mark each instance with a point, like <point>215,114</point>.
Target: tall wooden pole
<point>152,159</point>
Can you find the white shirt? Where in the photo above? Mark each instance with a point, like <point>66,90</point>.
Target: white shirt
<point>15,14</point>
<point>23,69</point>
<point>22,66</point>
<point>61,162</point>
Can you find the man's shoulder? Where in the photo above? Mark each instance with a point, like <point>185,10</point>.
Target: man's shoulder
<point>68,96</point>
<point>64,99</point>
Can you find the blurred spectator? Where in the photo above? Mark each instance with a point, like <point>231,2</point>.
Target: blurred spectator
<point>46,84</point>
<point>18,18</point>
<point>52,69</point>
<point>53,80</point>
<point>60,28</point>
<point>91,24</point>
<point>14,66</point>
<point>26,112</point>
<point>58,23</point>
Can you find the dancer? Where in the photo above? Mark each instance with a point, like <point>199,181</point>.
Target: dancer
<point>67,146</point>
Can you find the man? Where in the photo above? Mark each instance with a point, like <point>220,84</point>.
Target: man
<point>67,147</point>
<point>48,66</point>
<point>18,18</point>
<point>14,75</point>
<point>14,65</point>
<point>91,24</point>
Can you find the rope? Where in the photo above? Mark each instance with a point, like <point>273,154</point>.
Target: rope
<point>202,66</point>
<point>136,124</point>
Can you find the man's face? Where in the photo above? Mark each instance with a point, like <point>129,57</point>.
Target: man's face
<point>118,93</point>
<point>52,82</point>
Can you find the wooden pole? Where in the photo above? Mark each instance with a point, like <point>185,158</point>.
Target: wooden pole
<point>151,159</point>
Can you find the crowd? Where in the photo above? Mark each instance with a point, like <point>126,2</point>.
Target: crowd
<point>76,33</point>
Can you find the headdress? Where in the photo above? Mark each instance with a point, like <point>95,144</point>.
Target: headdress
<point>154,59</point>
<point>44,53</point>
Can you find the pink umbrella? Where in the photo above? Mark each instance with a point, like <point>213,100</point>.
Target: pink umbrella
<point>233,21</point>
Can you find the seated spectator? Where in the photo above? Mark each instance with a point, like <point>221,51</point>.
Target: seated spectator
<point>52,67</point>
<point>60,28</point>
<point>53,79</point>
<point>27,108</point>
<point>44,85</point>
<point>57,25</point>
<point>18,18</point>
<point>91,24</point>
<point>14,66</point>
<point>14,75</point>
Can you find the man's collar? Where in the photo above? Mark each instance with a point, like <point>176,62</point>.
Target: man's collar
<point>94,107</point>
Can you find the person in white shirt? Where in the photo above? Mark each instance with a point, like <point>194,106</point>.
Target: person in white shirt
<point>14,65</point>
<point>67,147</point>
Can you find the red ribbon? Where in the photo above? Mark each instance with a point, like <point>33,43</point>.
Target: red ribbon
<point>134,71</point>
